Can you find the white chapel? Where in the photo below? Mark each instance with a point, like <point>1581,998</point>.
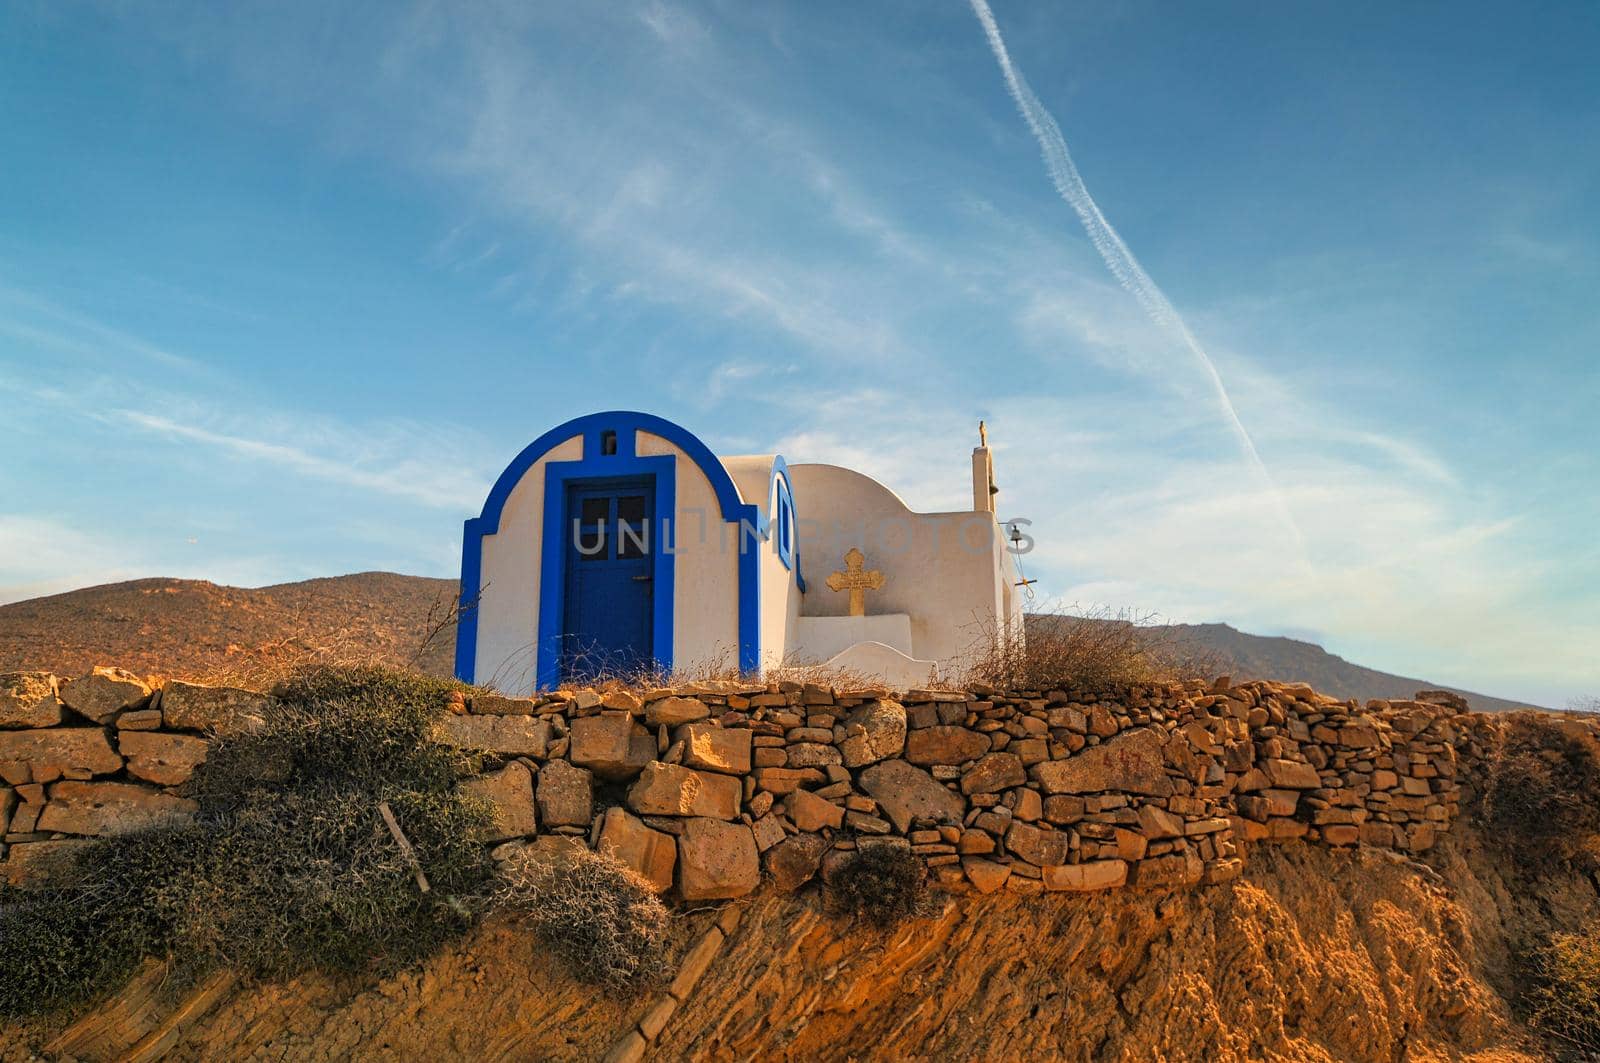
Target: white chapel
<point>618,541</point>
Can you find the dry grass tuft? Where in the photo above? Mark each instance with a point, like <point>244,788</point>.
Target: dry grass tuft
<point>1565,1001</point>
<point>1541,793</point>
<point>1097,648</point>
<point>596,914</point>
<point>883,885</point>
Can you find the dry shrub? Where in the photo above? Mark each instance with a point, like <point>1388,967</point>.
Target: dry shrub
<point>283,870</point>
<point>1541,794</point>
<point>1564,1003</point>
<point>883,885</point>
<point>596,914</point>
<point>1095,648</point>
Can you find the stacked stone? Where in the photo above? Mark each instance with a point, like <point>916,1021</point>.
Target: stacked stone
<point>705,787</point>
<point>101,754</point>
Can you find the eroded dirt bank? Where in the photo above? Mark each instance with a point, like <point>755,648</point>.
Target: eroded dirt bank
<point>1310,955</point>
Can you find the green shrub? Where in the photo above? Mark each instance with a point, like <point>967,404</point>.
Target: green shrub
<point>884,885</point>
<point>1541,794</point>
<point>596,914</point>
<point>288,865</point>
<point>1565,1000</point>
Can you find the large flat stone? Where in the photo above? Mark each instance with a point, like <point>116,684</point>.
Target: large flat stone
<point>103,693</point>
<point>566,795</point>
<point>1129,763</point>
<point>613,747</point>
<point>673,790</point>
<point>1087,877</point>
<point>220,710</point>
<point>994,772</point>
<point>1042,848</point>
<point>945,745</point>
<point>873,732</point>
<point>673,711</point>
<point>905,792</point>
<point>721,749</point>
<point>717,860</point>
<point>164,759</point>
<point>652,854</point>
<point>795,860</point>
<point>110,808</point>
<point>28,699</point>
<point>510,792</point>
<point>47,754</point>
<point>511,736</point>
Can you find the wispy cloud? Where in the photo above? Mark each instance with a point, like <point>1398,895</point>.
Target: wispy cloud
<point>413,479</point>
<point>1118,258</point>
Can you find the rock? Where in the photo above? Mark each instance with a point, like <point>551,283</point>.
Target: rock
<point>565,795</point>
<point>1131,762</point>
<point>30,863</point>
<point>1156,823</point>
<point>552,850</point>
<point>794,861</point>
<point>613,747</point>
<point>44,755</point>
<point>945,745</point>
<point>768,832</point>
<point>652,854</point>
<point>1038,847</point>
<point>675,711</point>
<point>110,808</point>
<point>723,749</point>
<point>993,773</point>
<point>164,759</point>
<point>623,700</point>
<point>1291,775</point>
<point>812,755</point>
<point>905,792</point>
<point>1179,869</point>
<point>103,693</point>
<point>671,790</point>
<point>788,780</point>
<point>485,704</point>
<point>812,813</point>
<point>510,791</point>
<point>874,732</point>
<point>510,736</point>
<point>986,876</point>
<point>28,699</point>
<point>1448,699</point>
<point>717,860</point>
<point>140,720</point>
<point>1083,878</point>
<point>222,710</point>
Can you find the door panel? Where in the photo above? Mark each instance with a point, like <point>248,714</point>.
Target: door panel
<point>607,615</point>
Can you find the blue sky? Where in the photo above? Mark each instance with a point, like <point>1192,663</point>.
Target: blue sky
<point>283,287</point>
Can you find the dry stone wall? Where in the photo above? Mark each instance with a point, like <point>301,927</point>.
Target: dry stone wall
<point>105,753</point>
<point>708,789</point>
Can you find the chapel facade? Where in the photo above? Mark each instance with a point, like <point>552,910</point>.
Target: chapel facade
<point>618,541</point>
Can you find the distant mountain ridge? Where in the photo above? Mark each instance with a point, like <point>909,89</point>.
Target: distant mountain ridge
<point>1247,656</point>
<point>196,628</point>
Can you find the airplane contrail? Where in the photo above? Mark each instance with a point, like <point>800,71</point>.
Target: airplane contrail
<point>1118,258</point>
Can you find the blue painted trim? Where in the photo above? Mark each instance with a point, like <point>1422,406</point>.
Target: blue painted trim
<point>560,475</point>
<point>781,486</point>
<point>626,423</point>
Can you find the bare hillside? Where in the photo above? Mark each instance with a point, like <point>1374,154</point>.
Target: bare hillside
<point>197,628</point>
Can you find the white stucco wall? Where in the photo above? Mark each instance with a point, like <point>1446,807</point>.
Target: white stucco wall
<point>948,571</point>
<point>705,612</point>
<point>508,608</point>
<point>779,592</point>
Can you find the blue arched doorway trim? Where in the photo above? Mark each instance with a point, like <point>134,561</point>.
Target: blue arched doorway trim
<point>619,428</point>
<point>780,496</point>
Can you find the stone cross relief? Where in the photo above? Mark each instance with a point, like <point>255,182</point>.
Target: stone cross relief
<point>856,580</point>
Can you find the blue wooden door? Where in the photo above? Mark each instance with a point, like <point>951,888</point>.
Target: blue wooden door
<point>609,550</point>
